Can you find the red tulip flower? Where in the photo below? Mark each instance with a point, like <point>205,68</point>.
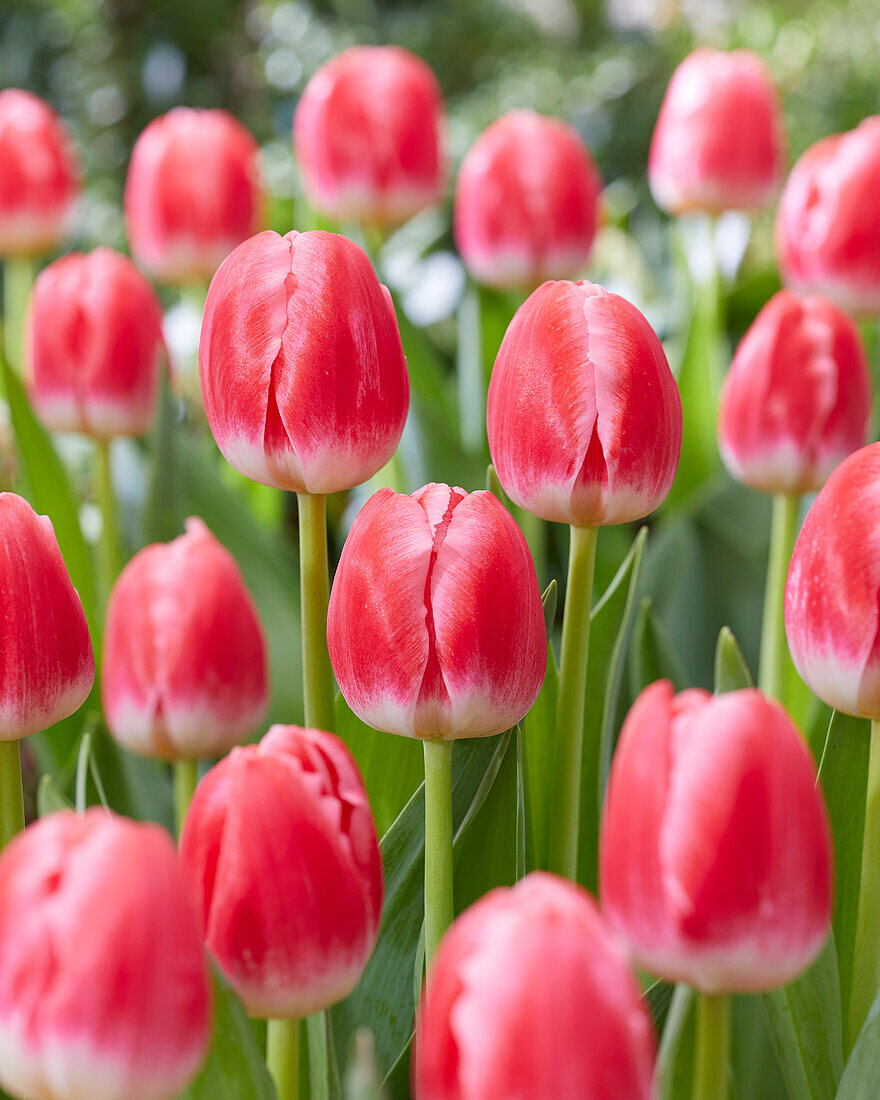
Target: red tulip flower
<point>797,397</point>
<point>303,373</point>
<point>720,141</point>
<point>281,852</point>
<point>185,665</point>
<point>715,853</point>
<point>531,996</point>
<point>104,989</point>
<point>368,136</point>
<point>93,346</point>
<point>526,202</point>
<point>828,221</point>
<point>192,195</point>
<point>39,175</point>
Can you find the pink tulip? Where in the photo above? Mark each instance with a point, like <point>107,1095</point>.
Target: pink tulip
<point>435,627</point>
<point>526,202</point>
<point>281,852</point>
<point>104,990</point>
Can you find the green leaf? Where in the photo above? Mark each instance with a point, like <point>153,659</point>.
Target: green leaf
<point>675,1059</point>
<point>548,602</point>
<point>651,655</point>
<point>50,797</point>
<point>861,1078</point>
<point>731,671</point>
<point>538,733</point>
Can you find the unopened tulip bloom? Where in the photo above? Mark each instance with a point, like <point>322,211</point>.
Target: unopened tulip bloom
<point>531,996</point>
<point>93,346</point>
<point>720,141</point>
<point>104,985</point>
<point>368,136</point>
<point>526,202</point>
<point>192,195</point>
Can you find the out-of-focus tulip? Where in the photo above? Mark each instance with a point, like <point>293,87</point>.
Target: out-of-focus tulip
<point>720,141</point>
<point>368,136</point>
<point>435,625</point>
<point>281,851</point>
<point>93,345</point>
<point>828,220</point>
<point>584,416</point>
<point>46,662</point>
<point>516,980</point>
<point>104,988</point>
<point>526,202</point>
<point>715,853</point>
<point>797,397</point>
<point>39,175</point>
<point>303,373</point>
<point>185,667</point>
<point>193,193</point>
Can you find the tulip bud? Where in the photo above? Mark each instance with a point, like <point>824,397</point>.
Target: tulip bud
<point>104,988</point>
<point>526,202</point>
<point>46,662</point>
<point>184,671</point>
<point>516,981</point>
<point>828,222</point>
<point>797,397</point>
<point>435,626</point>
<point>93,346</point>
<point>303,373</point>
<point>715,851</point>
<point>584,416</point>
<point>368,136</point>
<point>193,193</point>
<point>720,141</point>
<point>281,851</point>
<point>39,175</point>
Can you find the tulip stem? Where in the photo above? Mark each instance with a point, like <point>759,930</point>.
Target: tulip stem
<point>110,547</point>
<point>11,796</point>
<point>866,972</point>
<point>186,778</point>
<point>282,1057</point>
<point>469,370</point>
<point>314,594</point>
<point>439,909</point>
<point>710,1067</point>
<point>571,703</point>
<point>18,278</point>
<point>774,650</point>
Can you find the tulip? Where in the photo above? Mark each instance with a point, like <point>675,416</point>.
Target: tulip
<point>584,422</point>
<point>104,989</point>
<point>828,224</point>
<point>720,141</point>
<point>192,195</point>
<point>519,981</point>
<point>368,136</point>
<point>526,202</point>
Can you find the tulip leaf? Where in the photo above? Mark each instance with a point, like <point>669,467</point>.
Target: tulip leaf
<point>50,797</point>
<point>861,1078</point>
<point>731,671</point>
<point>652,656</point>
<point>549,599</point>
<point>675,1058</point>
<point>538,734</point>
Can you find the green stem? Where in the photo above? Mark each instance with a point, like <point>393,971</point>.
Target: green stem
<point>314,577</point>
<point>438,843</point>
<point>110,547</point>
<point>469,371</point>
<point>571,703</point>
<point>186,778</point>
<point>11,796</point>
<point>18,279</point>
<point>282,1057</point>
<point>866,972</point>
<point>710,1066</point>
<point>774,650</point>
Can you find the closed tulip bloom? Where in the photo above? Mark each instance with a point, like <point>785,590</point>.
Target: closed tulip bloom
<point>303,373</point>
<point>797,397</point>
<point>46,663</point>
<point>530,995</point>
<point>828,220</point>
<point>184,670</point>
<point>192,194</point>
<point>720,141</point>
<point>584,416</point>
<point>93,346</point>
<point>435,626</point>
<point>104,989</point>
<point>526,202</point>
<point>368,136</point>
<point>281,851</point>
<point>715,851</point>
<point>39,175</point>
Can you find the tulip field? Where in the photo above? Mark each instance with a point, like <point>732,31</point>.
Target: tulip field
<point>439,580</point>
